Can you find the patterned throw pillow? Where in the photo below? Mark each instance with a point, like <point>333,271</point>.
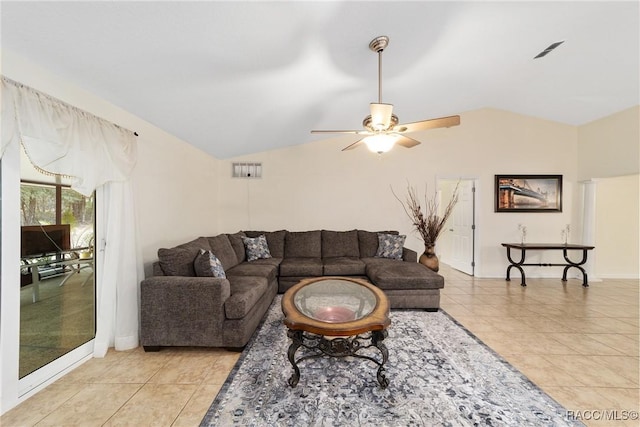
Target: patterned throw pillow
<point>256,247</point>
<point>207,264</point>
<point>390,246</point>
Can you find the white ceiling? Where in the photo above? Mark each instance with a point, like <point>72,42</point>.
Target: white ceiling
<point>236,78</point>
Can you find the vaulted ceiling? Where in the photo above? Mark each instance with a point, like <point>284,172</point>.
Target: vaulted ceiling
<point>235,78</point>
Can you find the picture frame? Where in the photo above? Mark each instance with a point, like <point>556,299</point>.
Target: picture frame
<point>528,193</point>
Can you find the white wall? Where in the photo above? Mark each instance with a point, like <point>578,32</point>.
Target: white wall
<point>316,185</point>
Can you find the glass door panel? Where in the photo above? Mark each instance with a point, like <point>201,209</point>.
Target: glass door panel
<point>57,289</point>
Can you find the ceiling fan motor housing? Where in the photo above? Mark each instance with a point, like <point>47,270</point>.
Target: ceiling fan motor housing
<point>368,123</point>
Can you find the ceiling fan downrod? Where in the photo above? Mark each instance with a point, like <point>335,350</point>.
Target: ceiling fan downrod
<point>378,45</point>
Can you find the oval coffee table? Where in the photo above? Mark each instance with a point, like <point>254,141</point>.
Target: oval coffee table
<point>338,317</point>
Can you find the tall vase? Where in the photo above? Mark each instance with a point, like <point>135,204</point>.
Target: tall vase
<point>429,258</point>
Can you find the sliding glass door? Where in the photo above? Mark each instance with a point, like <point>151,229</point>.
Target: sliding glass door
<point>57,271</point>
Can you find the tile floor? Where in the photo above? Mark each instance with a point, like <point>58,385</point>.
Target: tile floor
<point>579,345</point>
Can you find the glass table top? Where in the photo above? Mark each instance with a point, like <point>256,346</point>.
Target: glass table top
<point>335,301</point>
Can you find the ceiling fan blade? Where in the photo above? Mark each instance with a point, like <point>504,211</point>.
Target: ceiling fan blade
<point>441,122</point>
<point>381,115</point>
<point>354,145</point>
<point>337,131</point>
<point>407,142</point>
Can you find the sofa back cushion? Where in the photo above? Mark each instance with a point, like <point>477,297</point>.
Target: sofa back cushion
<point>222,249</point>
<point>368,242</point>
<point>178,261</point>
<point>303,244</point>
<point>340,243</point>
<point>275,241</point>
<point>236,242</point>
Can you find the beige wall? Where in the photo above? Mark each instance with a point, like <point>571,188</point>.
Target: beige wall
<point>315,185</point>
<point>609,154</point>
<point>617,227</point>
<point>610,146</point>
<point>174,183</point>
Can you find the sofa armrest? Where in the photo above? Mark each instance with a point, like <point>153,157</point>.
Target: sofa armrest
<point>409,255</point>
<point>182,311</point>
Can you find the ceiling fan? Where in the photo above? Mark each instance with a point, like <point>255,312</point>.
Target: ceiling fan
<point>381,129</point>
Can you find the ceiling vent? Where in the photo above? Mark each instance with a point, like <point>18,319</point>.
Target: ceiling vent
<point>549,49</point>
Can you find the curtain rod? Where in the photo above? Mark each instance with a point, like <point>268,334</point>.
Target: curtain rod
<point>66,104</point>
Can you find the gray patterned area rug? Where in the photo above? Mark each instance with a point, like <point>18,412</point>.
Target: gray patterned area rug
<point>439,375</point>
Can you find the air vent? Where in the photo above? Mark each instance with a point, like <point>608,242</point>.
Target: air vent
<point>549,49</point>
<point>246,170</point>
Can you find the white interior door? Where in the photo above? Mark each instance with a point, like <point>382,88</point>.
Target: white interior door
<point>461,228</point>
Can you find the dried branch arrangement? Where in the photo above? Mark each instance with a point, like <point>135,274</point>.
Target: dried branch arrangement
<point>427,223</point>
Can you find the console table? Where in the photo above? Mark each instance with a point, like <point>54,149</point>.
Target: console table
<point>564,247</point>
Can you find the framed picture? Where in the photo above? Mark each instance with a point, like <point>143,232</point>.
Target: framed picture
<point>528,193</point>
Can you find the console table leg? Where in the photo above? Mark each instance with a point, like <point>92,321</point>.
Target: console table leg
<point>585,279</point>
<point>516,265</point>
<point>522,283</point>
<point>296,342</point>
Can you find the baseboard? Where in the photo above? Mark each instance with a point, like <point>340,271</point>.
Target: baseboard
<point>618,276</point>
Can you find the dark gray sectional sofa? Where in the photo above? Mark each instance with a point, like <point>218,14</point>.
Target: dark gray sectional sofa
<point>178,308</point>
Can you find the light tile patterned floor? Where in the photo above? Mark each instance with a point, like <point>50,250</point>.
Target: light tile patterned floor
<point>579,345</point>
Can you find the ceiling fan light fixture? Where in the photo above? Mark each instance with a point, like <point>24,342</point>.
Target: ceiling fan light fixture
<point>380,142</point>
<point>381,116</point>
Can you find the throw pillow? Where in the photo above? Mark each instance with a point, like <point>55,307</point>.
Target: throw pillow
<point>256,247</point>
<point>207,264</point>
<point>390,246</point>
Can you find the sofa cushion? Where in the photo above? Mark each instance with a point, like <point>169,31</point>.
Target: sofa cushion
<point>207,264</point>
<point>368,242</point>
<point>275,240</point>
<point>262,268</point>
<point>246,291</point>
<point>343,266</point>
<point>178,261</point>
<point>340,243</point>
<point>390,245</point>
<point>221,247</point>
<point>256,247</point>
<point>303,244</point>
<point>305,267</point>
<point>237,244</point>
<point>389,274</point>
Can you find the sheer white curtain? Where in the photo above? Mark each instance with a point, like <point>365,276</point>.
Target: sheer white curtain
<point>98,155</point>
